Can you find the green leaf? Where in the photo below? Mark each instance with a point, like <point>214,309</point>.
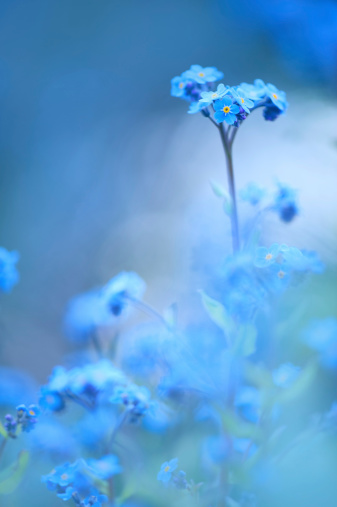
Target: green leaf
<point>218,190</point>
<point>3,432</point>
<point>259,376</point>
<point>218,314</point>
<point>221,193</point>
<point>246,340</point>
<point>12,475</point>
<point>239,428</point>
<point>302,383</point>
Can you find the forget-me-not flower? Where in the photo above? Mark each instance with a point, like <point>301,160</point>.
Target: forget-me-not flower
<point>225,110</point>
<point>203,75</point>
<point>242,99</point>
<point>266,256</point>
<point>166,470</point>
<point>277,97</point>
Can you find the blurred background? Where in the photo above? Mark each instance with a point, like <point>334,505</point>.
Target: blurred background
<point>101,170</point>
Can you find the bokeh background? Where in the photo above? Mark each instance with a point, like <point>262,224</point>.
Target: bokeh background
<point>101,170</point>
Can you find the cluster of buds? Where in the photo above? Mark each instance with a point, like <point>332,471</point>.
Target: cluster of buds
<point>26,418</point>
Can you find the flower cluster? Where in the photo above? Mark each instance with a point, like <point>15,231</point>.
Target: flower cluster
<point>85,385</point>
<point>77,481</point>
<point>230,105</point>
<point>101,307</point>
<point>226,376</point>
<point>26,419</point>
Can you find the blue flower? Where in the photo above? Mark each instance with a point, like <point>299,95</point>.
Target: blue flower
<point>95,500</point>
<point>277,97</point>
<point>122,288</point>
<point>137,399</point>
<point>82,384</point>
<point>279,276</point>
<point>266,256</point>
<point>68,494</point>
<point>8,273</point>
<point>203,75</point>
<point>166,470</point>
<point>84,314</point>
<point>256,91</point>
<point>27,416</point>
<point>313,261</point>
<point>207,98</point>
<point>225,110</point>
<point>216,449</point>
<point>248,403</point>
<point>285,202</point>
<point>197,107</point>
<point>51,400</point>
<point>242,99</point>
<point>252,194</point>
<point>271,112</point>
<point>294,258</point>
<point>321,335</point>
<point>285,375</point>
<point>178,86</point>
<point>63,475</point>
<point>53,440</point>
<point>105,467</point>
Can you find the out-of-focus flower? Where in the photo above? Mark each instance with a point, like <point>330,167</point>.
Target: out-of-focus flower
<point>321,335</point>
<point>248,403</point>
<point>105,467</point>
<point>8,273</point>
<point>285,375</point>
<point>252,193</point>
<point>285,203</point>
<point>166,469</point>
<point>242,99</point>
<point>203,75</point>
<point>136,399</point>
<point>277,97</point>
<point>266,256</point>
<point>121,289</point>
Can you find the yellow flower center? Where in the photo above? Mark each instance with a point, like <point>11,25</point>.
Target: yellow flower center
<point>31,412</point>
<point>201,74</point>
<point>214,96</point>
<point>181,85</point>
<point>268,257</point>
<point>281,274</point>
<point>226,109</point>
<point>242,101</point>
<point>166,469</point>
<point>64,477</point>
<point>275,96</point>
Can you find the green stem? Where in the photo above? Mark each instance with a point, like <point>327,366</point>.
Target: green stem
<point>2,446</point>
<point>227,145</point>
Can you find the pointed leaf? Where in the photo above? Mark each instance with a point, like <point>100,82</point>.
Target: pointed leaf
<point>3,432</point>
<point>218,314</point>
<point>11,476</point>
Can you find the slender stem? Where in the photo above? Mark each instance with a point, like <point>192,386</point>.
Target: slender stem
<point>2,446</point>
<point>231,185</point>
<point>146,308</point>
<point>96,343</point>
